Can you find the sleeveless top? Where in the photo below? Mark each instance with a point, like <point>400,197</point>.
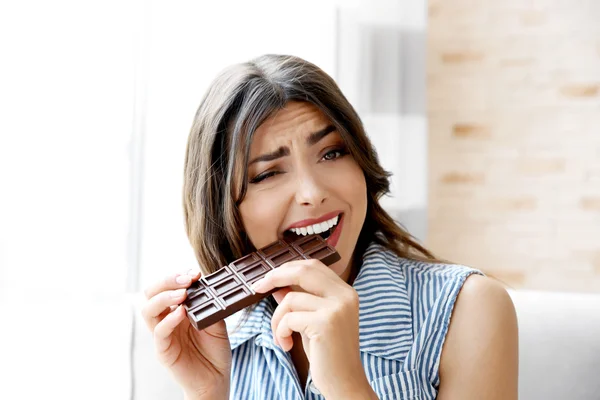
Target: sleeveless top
<point>404,312</point>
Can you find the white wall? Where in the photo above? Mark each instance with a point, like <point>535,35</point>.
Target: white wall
<point>381,69</point>
<point>66,101</point>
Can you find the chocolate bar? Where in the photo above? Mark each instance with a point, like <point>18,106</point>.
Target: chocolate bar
<point>228,290</point>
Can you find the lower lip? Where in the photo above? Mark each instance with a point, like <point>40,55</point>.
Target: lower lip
<point>335,236</point>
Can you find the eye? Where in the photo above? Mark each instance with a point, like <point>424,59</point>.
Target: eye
<point>261,177</point>
<point>335,154</point>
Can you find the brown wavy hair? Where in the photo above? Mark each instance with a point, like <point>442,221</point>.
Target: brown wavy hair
<point>237,102</point>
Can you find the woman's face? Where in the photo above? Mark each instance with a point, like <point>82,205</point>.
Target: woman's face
<point>301,176</point>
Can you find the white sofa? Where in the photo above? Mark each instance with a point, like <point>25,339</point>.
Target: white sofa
<point>559,336</point>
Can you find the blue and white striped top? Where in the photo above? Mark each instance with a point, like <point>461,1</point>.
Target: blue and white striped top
<point>404,313</point>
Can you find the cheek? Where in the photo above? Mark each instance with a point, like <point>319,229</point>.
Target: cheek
<point>353,185</point>
<point>261,215</point>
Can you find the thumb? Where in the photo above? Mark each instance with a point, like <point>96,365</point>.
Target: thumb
<point>216,331</point>
<point>213,343</point>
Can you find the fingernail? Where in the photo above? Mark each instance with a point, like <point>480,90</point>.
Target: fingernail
<point>183,279</point>
<point>177,293</point>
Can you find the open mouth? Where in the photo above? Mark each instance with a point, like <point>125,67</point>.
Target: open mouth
<point>323,229</point>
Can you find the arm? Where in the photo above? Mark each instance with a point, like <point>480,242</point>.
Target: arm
<point>480,354</point>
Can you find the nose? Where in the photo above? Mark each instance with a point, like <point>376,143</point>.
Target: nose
<point>309,190</point>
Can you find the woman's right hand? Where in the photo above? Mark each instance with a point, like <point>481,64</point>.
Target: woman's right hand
<point>200,361</point>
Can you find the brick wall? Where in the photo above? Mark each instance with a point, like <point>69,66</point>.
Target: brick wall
<point>514,139</point>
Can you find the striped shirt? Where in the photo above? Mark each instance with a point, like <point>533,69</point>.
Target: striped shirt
<point>404,313</point>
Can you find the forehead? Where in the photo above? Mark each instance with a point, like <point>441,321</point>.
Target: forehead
<point>295,119</point>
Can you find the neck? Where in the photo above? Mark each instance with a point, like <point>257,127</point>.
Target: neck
<point>353,267</point>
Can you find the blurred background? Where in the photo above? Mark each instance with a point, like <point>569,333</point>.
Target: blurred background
<point>486,112</point>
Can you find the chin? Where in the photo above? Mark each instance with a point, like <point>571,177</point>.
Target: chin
<point>341,267</point>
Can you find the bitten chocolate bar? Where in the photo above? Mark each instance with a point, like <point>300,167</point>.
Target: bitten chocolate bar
<point>228,290</point>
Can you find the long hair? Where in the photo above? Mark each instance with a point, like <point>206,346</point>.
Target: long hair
<point>237,102</point>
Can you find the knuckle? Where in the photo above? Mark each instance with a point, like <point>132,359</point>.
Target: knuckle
<point>166,297</point>
<point>313,262</point>
<point>282,322</point>
<point>290,298</point>
<point>347,303</point>
<point>158,332</point>
<point>303,268</point>
<point>337,311</point>
<point>352,297</point>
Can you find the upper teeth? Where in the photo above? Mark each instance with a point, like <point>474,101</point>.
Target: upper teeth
<point>316,228</point>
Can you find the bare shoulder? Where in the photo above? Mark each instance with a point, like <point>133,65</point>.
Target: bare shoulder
<point>480,354</point>
<point>484,295</point>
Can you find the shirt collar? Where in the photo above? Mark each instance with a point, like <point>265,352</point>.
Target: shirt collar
<point>385,319</point>
<point>258,323</point>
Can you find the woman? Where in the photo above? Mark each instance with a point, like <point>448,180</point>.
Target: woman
<point>275,147</point>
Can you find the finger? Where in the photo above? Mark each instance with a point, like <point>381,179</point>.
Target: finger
<point>166,312</point>
<point>164,329</point>
<point>290,323</point>
<point>158,306</point>
<point>312,262</point>
<point>170,282</point>
<point>308,275</point>
<point>280,294</point>
<point>295,301</point>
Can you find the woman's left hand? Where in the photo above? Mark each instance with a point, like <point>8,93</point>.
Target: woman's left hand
<point>319,305</point>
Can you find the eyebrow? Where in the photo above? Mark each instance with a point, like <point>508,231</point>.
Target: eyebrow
<point>314,138</point>
<point>283,151</point>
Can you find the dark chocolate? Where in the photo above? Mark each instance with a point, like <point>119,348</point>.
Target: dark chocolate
<point>228,290</point>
